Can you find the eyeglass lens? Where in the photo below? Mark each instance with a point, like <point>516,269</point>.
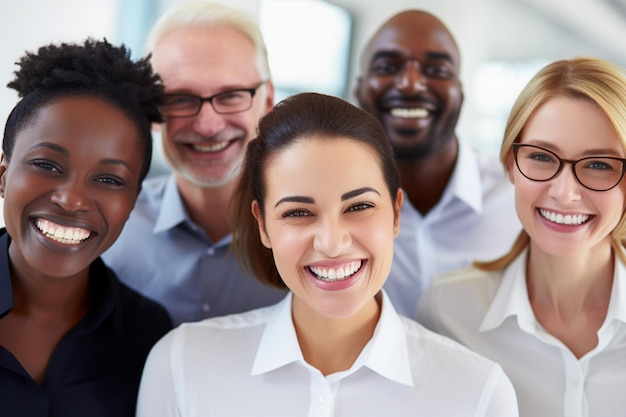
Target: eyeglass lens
<point>188,105</point>
<point>595,173</point>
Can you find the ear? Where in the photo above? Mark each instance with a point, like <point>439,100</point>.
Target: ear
<point>509,166</point>
<point>269,99</point>
<point>4,165</point>
<point>396,212</point>
<point>156,127</point>
<point>356,92</point>
<point>256,212</point>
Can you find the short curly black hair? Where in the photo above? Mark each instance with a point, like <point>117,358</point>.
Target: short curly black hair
<point>94,68</point>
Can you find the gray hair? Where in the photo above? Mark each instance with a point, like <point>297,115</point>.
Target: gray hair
<point>204,14</point>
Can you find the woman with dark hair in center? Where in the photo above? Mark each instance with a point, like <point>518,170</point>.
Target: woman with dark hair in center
<point>316,210</point>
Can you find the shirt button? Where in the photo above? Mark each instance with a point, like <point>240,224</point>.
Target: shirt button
<point>206,307</point>
<point>322,398</point>
<point>210,251</point>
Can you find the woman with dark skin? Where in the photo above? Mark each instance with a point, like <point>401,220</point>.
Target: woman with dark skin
<point>73,339</point>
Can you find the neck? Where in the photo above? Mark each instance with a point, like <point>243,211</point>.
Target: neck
<point>571,285</point>
<point>207,206</point>
<point>333,344</point>
<point>425,180</point>
<point>36,294</point>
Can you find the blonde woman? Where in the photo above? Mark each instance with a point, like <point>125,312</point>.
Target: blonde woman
<point>552,311</point>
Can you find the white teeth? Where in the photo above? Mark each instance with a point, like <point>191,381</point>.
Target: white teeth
<point>569,219</point>
<point>336,274</point>
<point>213,147</point>
<point>409,113</point>
<point>66,235</point>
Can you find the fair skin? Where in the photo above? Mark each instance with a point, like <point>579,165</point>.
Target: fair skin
<point>206,150</point>
<point>570,267</point>
<point>330,223</point>
<point>74,169</point>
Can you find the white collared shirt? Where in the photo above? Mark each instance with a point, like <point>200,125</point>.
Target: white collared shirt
<point>251,365</point>
<point>475,219</point>
<point>491,314</point>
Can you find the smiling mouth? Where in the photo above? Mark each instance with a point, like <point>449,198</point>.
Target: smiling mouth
<point>62,234</point>
<point>409,112</point>
<point>336,274</point>
<point>212,147</point>
<point>568,219</point>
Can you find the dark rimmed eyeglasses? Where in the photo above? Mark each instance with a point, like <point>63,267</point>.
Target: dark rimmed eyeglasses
<point>226,102</point>
<point>597,173</point>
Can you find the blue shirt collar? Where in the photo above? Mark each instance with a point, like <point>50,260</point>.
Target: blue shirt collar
<point>172,211</point>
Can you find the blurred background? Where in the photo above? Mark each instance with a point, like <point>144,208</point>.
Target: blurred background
<point>314,45</point>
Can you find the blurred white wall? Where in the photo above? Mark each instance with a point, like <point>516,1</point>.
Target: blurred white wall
<point>492,34</point>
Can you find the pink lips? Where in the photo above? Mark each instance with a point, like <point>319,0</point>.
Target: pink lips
<point>340,280</point>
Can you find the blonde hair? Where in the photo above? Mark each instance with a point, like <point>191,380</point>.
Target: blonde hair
<point>593,79</point>
<point>201,14</point>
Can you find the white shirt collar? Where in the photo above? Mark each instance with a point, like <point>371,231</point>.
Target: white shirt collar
<point>386,353</point>
<point>617,305</point>
<point>511,298</point>
<point>466,183</point>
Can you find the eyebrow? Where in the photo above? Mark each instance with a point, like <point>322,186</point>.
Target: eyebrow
<point>591,152</point>
<point>60,149</point>
<point>357,192</point>
<point>51,146</point>
<point>309,200</point>
<point>440,55</point>
<point>114,162</point>
<point>429,54</point>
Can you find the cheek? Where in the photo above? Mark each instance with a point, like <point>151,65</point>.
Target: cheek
<point>117,208</point>
<point>616,203</point>
<point>454,95</point>
<point>20,187</point>
<point>287,240</point>
<point>377,236</point>
<point>175,125</point>
<point>245,121</point>
<point>525,195</point>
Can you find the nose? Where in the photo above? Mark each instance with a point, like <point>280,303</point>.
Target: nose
<point>411,79</point>
<point>565,188</point>
<point>332,238</point>
<point>72,196</point>
<point>207,122</point>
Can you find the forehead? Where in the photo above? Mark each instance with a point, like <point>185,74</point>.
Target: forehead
<point>205,56</point>
<point>335,162</point>
<point>412,34</point>
<point>568,122</point>
<point>86,125</point>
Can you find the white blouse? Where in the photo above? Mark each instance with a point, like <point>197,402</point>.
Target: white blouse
<point>250,365</point>
<point>490,313</point>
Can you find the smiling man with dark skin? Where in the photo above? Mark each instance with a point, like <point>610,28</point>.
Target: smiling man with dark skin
<point>457,201</point>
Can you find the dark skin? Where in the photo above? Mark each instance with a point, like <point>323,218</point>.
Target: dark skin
<point>410,83</point>
<point>75,168</point>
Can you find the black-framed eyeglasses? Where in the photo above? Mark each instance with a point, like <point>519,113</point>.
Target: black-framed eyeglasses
<point>597,173</point>
<point>226,102</point>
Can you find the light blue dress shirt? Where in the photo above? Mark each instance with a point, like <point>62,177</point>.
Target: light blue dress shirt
<point>165,256</point>
<point>475,219</point>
